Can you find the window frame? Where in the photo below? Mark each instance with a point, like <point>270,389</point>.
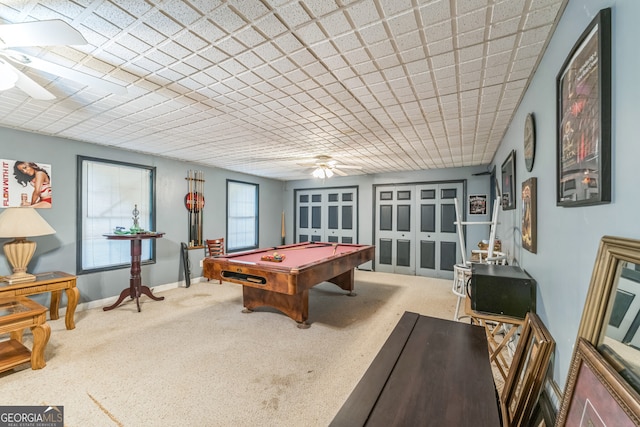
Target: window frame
<point>148,255</point>
<point>230,242</point>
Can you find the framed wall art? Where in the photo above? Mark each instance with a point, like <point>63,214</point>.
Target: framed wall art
<point>26,183</point>
<point>508,182</point>
<point>595,394</point>
<point>529,215</point>
<point>584,118</point>
<point>478,204</point>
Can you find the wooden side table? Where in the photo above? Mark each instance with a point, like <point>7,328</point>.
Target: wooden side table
<point>54,282</point>
<point>16,314</point>
<point>136,288</point>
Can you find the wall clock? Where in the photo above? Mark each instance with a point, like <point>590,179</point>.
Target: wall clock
<point>529,141</point>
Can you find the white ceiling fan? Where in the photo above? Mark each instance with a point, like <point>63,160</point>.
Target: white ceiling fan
<point>326,167</point>
<point>42,33</point>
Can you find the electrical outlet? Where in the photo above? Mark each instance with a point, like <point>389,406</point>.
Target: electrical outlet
<point>200,263</point>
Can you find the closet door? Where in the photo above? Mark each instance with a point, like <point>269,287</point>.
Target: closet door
<point>341,215</point>
<point>310,224</point>
<point>327,215</point>
<point>436,235</point>
<point>395,229</point>
<point>415,230</point>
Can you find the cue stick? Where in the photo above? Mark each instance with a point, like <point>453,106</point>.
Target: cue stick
<point>309,246</point>
<point>282,231</point>
<point>200,206</point>
<point>189,206</point>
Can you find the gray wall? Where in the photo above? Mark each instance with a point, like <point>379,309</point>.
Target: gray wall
<point>58,252</point>
<point>568,238</point>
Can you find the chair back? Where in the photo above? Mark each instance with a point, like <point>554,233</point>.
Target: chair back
<point>214,247</point>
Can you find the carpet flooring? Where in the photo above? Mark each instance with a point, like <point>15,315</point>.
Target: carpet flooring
<point>195,359</point>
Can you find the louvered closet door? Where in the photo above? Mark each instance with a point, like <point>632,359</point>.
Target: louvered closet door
<point>395,229</point>
<point>436,235</point>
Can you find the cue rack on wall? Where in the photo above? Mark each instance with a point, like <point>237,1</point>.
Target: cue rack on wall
<point>194,202</point>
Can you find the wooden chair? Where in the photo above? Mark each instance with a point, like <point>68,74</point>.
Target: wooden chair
<point>527,373</point>
<point>214,247</point>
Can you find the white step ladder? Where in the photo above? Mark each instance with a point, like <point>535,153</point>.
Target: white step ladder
<point>462,271</point>
<point>492,230</point>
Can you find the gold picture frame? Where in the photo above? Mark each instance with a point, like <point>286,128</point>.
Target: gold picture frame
<point>527,372</point>
<point>617,260</point>
<point>596,395</point>
<point>530,215</point>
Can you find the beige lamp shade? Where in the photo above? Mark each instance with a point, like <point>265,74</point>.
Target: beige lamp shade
<point>21,223</point>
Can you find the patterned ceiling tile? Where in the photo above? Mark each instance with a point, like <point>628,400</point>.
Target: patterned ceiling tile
<point>388,85</point>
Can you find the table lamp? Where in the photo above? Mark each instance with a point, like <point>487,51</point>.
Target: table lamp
<point>21,223</point>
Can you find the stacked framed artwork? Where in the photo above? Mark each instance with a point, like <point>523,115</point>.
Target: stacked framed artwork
<point>603,385</point>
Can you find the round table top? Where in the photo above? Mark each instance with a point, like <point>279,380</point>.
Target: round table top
<point>147,235</point>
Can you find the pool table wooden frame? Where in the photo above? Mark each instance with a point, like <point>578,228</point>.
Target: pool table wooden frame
<point>285,285</point>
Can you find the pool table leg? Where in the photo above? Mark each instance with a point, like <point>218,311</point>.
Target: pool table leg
<point>345,281</point>
<point>295,306</point>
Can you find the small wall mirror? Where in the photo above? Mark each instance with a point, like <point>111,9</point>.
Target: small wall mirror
<point>611,317</point>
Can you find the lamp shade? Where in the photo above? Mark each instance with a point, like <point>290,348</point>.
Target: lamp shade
<point>23,222</point>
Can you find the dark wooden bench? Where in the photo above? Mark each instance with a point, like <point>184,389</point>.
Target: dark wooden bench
<point>429,372</point>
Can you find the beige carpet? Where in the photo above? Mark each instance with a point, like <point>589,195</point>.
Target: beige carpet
<point>195,359</point>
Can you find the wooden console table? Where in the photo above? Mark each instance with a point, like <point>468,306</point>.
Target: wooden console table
<point>54,282</point>
<point>16,314</point>
<point>430,371</point>
<point>135,288</point>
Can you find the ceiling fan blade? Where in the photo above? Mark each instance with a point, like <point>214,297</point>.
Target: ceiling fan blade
<point>348,167</point>
<point>338,172</point>
<point>40,33</point>
<point>29,86</point>
<point>68,73</point>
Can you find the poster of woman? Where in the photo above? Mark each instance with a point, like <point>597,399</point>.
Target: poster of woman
<point>26,183</point>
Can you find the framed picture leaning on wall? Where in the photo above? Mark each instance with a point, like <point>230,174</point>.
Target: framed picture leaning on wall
<point>584,118</point>
<point>595,394</point>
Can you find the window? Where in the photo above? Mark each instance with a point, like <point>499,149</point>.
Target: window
<point>242,216</point>
<point>108,193</point>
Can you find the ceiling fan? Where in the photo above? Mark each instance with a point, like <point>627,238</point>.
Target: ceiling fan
<point>326,167</point>
<point>42,33</point>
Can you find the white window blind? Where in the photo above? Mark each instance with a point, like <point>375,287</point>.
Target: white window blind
<point>110,191</point>
<point>242,215</point>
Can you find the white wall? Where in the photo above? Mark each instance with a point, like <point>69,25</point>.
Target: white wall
<point>568,238</point>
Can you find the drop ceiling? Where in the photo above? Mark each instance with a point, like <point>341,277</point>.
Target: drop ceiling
<point>265,86</point>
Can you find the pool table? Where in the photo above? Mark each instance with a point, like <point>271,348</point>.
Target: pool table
<point>281,276</point>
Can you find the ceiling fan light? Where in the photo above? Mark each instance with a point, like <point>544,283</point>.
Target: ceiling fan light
<point>318,173</point>
<point>328,172</point>
<point>8,77</point>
